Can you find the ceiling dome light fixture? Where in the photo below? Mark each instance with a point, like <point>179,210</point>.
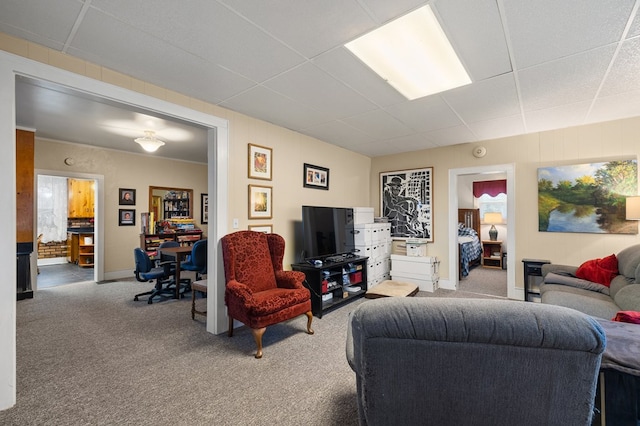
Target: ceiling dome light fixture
<point>149,141</point>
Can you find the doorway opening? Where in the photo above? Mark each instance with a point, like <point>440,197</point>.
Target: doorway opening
<point>457,175</point>
<point>68,226</point>
<point>65,211</point>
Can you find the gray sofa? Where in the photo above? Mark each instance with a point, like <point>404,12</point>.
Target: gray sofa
<point>440,361</point>
<point>561,287</point>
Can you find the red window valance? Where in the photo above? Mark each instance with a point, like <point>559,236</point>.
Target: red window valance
<point>490,187</point>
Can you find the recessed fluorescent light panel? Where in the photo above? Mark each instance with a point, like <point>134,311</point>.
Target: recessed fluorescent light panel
<point>412,54</point>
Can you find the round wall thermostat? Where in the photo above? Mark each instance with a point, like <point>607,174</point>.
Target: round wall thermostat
<point>479,151</point>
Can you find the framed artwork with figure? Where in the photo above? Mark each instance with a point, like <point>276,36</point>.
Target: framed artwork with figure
<point>127,197</point>
<point>126,217</point>
<point>406,201</point>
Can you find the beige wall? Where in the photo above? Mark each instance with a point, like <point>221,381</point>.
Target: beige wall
<point>348,176</point>
<point>584,144</point>
<point>349,172</point>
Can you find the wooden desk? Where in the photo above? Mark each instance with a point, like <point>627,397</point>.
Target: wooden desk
<point>179,254</point>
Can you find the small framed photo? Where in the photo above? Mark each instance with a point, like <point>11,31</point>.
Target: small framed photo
<point>267,229</point>
<point>260,161</point>
<point>126,217</point>
<point>204,208</point>
<point>127,197</point>
<point>260,201</point>
<point>315,177</point>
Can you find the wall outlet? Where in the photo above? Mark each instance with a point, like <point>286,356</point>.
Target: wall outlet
<point>236,224</point>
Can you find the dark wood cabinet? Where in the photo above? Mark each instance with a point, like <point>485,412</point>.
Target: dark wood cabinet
<point>150,242</point>
<point>533,278</point>
<point>334,283</point>
<point>25,149</point>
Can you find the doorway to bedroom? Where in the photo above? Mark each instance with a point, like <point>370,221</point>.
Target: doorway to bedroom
<point>482,237</point>
<point>484,227</point>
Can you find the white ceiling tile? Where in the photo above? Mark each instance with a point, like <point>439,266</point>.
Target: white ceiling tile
<point>617,106</point>
<point>564,81</point>
<point>310,28</point>
<point>385,10</point>
<point>326,94</point>
<point>394,146</point>
<point>378,124</point>
<point>498,127</point>
<point>425,114</point>
<point>275,108</point>
<point>214,33</point>
<point>557,117</point>
<point>344,66</point>
<point>475,30</point>
<point>484,100</point>
<point>135,53</point>
<point>451,136</point>
<point>544,30</point>
<point>344,135</point>
<point>51,26</point>
<point>624,75</point>
<point>634,30</point>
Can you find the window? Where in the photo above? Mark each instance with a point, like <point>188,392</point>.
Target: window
<point>487,203</point>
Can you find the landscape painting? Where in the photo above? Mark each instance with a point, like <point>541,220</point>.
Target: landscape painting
<point>587,198</point>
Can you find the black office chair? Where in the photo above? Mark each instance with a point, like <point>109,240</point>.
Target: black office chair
<point>185,283</point>
<point>165,244</point>
<point>146,270</point>
<point>197,261</point>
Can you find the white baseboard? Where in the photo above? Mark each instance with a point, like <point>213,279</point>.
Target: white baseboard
<point>446,284</point>
<point>52,261</point>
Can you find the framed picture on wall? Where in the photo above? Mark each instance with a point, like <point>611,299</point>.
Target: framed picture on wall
<point>267,229</point>
<point>406,200</point>
<point>260,160</point>
<point>587,198</point>
<point>126,217</point>
<point>127,197</point>
<point>315,177</point>
<point>204,208</point>
<point>260,201</point>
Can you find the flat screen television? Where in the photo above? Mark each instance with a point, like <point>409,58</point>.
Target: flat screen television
<point>327,231</point>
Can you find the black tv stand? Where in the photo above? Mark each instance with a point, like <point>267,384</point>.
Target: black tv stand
<point>337,291</point>
<point>335,258</point>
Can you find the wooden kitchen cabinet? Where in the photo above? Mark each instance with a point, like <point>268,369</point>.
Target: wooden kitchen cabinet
<point>81,198</point>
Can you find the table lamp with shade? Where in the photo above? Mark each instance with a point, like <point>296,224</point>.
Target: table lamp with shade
<point>633,208</point>
<point>492,219</point>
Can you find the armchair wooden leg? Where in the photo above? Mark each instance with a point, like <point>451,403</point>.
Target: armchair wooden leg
<point>230,332</point>
<point>309,319</point>
<point>193,305</point>
<point>257,335</point>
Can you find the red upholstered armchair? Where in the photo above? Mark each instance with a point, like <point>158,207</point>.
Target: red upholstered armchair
<point>258,292</point>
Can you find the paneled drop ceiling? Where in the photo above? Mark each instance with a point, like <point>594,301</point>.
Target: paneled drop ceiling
<point>535,66</point>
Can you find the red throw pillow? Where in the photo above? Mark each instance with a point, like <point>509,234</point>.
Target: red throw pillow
<point>600,271</point>
<point>632,317</point>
